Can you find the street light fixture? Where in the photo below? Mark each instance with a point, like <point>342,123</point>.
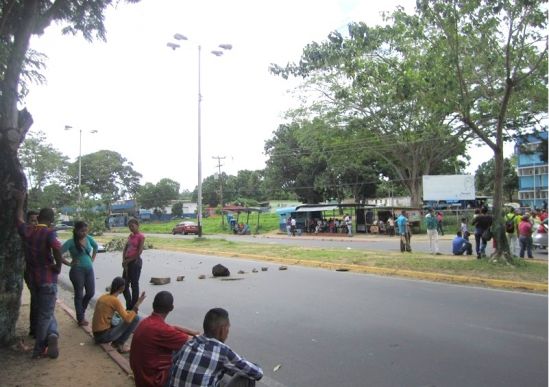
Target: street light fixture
<point>68,127</point>
<point>174,46</point>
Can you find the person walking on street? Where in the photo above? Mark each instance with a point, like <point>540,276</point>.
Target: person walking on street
<point>44,261</point>
<point>132,263</point>
<point>432,224</point>
<point>525,236</point>
<point>404,232</point>
<point>108,329</point>
<point>482,223</point>
<point>82,249</point>
<point>205,360</point>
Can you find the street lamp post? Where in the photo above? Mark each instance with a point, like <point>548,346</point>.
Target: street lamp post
<point>174,46</point>
<point>68,127</point>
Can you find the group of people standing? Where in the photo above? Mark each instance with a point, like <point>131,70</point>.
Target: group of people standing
<point>44,257</point>
<point>160,354</point>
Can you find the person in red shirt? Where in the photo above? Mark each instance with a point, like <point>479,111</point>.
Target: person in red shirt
<point>153,343</point>
<point>132,263</point>
<point>525,236</point>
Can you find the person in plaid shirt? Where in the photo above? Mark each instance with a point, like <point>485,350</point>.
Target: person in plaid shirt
<point>205,359</point>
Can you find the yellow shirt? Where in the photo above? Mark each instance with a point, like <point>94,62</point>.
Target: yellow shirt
<point>105,307</point>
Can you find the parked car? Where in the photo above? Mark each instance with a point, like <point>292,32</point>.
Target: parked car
<point>540,236</point>
<point>185,228</point>
<point>62,227</point>
<point>101,248</point>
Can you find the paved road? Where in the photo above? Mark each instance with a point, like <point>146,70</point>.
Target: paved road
<point>327,328</point>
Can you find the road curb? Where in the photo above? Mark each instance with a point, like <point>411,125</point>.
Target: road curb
<point>438,277</point>
<point>120,360</point>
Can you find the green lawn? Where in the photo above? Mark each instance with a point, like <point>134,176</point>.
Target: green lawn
<point>360,260</point>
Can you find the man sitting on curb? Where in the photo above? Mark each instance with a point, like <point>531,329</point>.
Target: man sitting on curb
<point>105,330</point>
<point>204,360</point>
<point>153,343</point>
<point>460,245</point>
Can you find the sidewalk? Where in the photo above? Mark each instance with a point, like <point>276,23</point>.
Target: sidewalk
<point>80,362</point>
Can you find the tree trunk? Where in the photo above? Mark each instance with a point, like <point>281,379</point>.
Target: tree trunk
<point>11,255</point>
<point>502,252</point>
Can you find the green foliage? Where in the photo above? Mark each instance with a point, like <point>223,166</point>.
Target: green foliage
<point>118,244</point>
<point>158,195</point>
<point>91,213</point>
<point>177,209</point>
<point>107,174</point>
<point>485,178</point>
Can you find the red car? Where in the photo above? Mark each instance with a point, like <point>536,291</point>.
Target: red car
<point>185,228</point>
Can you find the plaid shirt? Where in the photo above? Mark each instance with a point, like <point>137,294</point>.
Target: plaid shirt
<point>203,361</point>
<point>39,241</point>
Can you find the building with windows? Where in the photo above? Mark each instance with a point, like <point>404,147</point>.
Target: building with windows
<point>532,171</point>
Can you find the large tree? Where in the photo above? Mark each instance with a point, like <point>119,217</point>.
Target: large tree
<point>374,86</point>
<point>495,53</point>
<point>19,21</point>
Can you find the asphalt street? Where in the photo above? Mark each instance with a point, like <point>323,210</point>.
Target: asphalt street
<point>315,327</point>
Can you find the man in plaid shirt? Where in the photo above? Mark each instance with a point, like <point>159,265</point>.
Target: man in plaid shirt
<point>205,359</point>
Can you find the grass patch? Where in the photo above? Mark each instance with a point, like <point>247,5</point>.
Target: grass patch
<point>523,271</point>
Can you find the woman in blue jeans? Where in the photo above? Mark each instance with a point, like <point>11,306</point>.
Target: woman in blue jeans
<point>82,249</point>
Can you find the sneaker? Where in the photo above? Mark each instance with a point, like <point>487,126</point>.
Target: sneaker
<point>438,253</point>
<point>83,323</point>
<point>53,348</point>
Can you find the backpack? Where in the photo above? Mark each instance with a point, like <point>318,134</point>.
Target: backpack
<point>510,225</point>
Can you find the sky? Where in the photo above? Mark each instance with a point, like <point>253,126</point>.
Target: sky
<point>142,97</point>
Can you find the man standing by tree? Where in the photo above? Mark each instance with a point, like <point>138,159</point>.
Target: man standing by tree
<point>43,254</point>
<point>431,222</point>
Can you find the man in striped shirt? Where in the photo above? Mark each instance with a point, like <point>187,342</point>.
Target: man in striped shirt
<point>43,264</point>
<point>205,359</point>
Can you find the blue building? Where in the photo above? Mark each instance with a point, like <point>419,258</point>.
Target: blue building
<point>532,171</point>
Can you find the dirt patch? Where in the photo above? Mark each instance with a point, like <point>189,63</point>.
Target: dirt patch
<point>80,362</point>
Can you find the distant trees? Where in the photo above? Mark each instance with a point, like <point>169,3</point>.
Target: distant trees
<point>485,179</point>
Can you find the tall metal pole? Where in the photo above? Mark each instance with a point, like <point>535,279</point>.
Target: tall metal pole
<point>199,204</point>
<point>80,169</point>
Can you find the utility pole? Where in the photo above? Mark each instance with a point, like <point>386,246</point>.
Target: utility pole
<point>219,165</point>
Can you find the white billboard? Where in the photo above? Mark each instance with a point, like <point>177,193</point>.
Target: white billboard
<point>448,187</point>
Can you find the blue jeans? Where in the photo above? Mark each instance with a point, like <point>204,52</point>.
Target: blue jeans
<point>46,324</point>
<point>118,334</point>
<point>525,244</point>
<point>480,243</point>
<point>82,278</point>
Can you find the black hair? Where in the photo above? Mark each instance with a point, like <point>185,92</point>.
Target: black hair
<point>31,213</point>
<point>79,225</point>
<point>484,210</point>
<point>215,318</point>
<point>46,215</point>
<point>116,284</point>
<point>163,302</point>
<point>458,233</point>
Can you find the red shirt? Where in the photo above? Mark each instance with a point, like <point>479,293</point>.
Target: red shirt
<point>525,228</point>
<point>153,343</point>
